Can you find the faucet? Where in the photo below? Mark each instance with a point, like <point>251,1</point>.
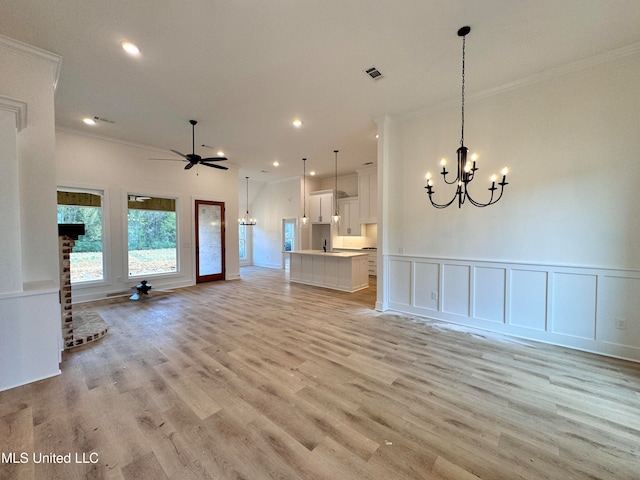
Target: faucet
<point>324,247</point>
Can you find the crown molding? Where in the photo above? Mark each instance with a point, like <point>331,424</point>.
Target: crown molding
<point>572,67</point>
<point>566,69</point>
<point>34,52</point>
<point>17,107</point>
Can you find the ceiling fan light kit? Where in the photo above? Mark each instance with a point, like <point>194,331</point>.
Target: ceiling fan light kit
<point>466,169</point>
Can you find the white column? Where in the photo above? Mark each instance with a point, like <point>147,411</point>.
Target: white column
<point>10,243</point>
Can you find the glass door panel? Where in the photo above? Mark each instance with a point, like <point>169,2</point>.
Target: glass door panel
<point>209,241</point>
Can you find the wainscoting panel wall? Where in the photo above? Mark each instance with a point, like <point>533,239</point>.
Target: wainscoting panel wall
<point>427,285</point>
<point>528,306</point>
<point>573,311</point>
<point>589,309</point>
<point>489,293</point>
<point>400,290</point>
<point>456,290</point>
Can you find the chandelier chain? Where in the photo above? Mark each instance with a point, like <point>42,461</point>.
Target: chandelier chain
<point>464,41</point>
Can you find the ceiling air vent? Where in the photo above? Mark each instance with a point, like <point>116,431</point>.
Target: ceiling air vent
<point>374,73</point>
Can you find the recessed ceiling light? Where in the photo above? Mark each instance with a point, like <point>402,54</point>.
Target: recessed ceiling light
<point>276,163</point>
<point>297,123</point>
<point>220,153</point>
<point>131,49</point>
<point>89,121</point>
<point>312,173</point>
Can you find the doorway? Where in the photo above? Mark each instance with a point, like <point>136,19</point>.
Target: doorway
<point>210,228</point>
<point>288,239</point>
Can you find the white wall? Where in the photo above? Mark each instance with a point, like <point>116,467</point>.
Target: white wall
<point>119,168</point>
<point>569,213</point>
<point>275,201</point>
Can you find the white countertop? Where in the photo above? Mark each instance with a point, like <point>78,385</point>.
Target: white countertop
<point>353,253</point>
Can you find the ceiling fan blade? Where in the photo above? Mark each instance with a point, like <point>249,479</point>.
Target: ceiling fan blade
<point>213,165</point>
<point>213,159</point>
<point>181,154</point>
<point>169,159</point>
<point>189,165</point>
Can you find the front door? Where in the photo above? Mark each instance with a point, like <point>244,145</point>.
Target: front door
<point>209,241</point>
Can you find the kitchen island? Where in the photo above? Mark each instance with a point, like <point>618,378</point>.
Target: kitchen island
<point>346,271</point>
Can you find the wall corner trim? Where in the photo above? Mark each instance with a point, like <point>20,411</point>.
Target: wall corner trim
<point>17,107</point>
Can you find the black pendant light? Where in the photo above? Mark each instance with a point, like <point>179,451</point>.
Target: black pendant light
<point>304,220</point>
<point>335,219</point>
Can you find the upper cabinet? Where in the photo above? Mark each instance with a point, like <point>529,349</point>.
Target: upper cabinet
<point>349,211</point>
<point>368,194</point>
<point>321,205</point>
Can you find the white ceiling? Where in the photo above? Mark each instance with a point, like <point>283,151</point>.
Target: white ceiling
<point>245,69</point>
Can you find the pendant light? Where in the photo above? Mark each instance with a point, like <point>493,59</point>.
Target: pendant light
<point>466,169</point>
<point>304,220</point>
<point>247,220</point>
<point>335,219</point>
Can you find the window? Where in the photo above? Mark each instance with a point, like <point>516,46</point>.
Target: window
<point>152,239</point>
<point>242,234</point>
<point>78,206</point>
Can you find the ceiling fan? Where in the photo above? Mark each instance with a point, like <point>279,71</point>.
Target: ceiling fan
<point>195,159</point>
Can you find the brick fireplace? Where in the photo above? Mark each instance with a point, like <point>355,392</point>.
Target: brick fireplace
<point>86,326</point>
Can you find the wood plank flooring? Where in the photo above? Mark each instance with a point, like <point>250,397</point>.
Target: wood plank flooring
<point>261,379</point>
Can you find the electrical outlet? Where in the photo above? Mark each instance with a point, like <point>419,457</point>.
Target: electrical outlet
<point>621,324</point>
<point>434,295</point>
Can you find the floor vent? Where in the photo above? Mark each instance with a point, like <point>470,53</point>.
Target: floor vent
<point>374,73</point>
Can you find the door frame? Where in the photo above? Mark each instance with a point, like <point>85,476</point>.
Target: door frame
<point>215,276</point>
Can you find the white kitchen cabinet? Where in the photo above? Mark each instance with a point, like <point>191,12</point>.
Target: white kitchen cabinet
<point>373,263</point>
<point>321,205</point>
<point>368,194</point>
<point>346,271</point>
<point>349,210</point>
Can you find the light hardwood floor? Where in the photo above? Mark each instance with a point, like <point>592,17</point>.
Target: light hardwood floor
<point>261,379</point>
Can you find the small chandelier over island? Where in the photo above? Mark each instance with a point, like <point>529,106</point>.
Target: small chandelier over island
<point>466,168</point>
<point>247,220</point>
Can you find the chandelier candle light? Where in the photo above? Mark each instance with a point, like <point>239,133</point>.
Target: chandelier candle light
<point>466,168</point>
<point>335,219</point>
<point>304,220</point>
<point>247,220</point>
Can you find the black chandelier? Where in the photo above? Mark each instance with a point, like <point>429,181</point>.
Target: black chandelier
<point>466,168</point>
